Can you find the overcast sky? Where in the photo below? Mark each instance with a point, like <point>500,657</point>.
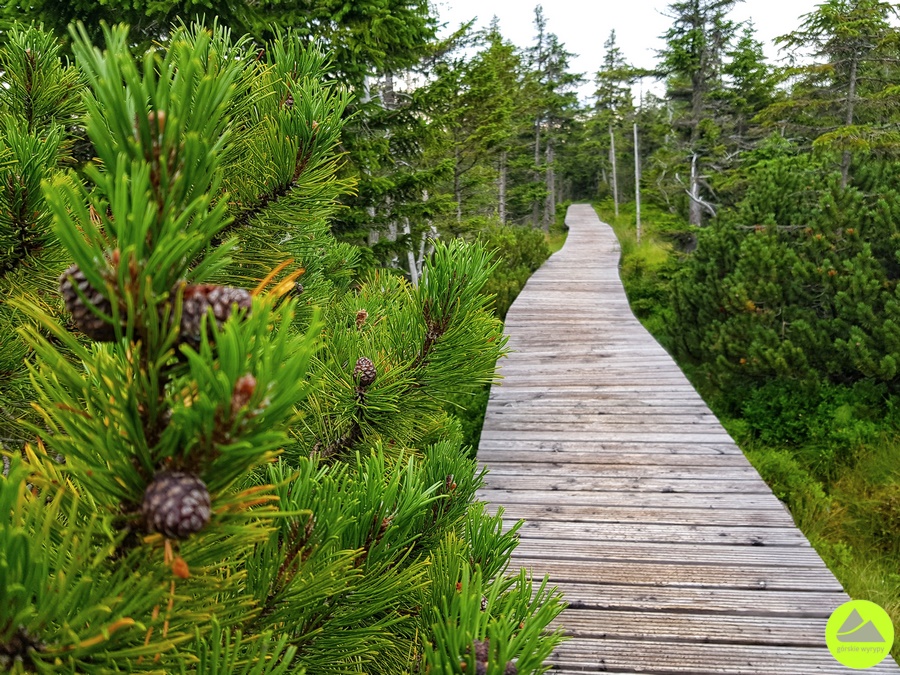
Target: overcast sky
<point>584,25</point>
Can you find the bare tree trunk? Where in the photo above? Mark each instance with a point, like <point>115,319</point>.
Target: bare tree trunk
<point>550,184</point>
<point>388,97</point>
<point>421,259</point>
<point>535,205</point>
<point>426,244</point>
<point>391,232</point>
<point>637,185</point>
<point>848,120</point>
<point>374,235</point>
<point>410,255</point>
<point>502,195</point>
<point>457,187</point>
<point>695,211</point>
<point>612,161</point>
<point>698,90</point>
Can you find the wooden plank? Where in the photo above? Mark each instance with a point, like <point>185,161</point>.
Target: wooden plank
<point>698,575</point>
<point>495,457</point>
<point>592,484</point>
<point>647,656</point>
<point>548,417</point>
<point>562,469</point>
<point>607,447</point>
<point>716,554</point>
<point>696,627</point>
<point>577,513</point>
<point>761,602</point>
<point>624,436</point>
<point>603,426</point>
<point>667,533</point>
<point>635,499</point>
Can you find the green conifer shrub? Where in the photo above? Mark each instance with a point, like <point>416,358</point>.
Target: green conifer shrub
<point>799,282</point>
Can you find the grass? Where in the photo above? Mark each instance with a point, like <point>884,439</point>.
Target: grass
<point>556,238</point>
<point>846,500</point>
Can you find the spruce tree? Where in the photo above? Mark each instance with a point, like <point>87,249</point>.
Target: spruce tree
<point>612,105</point>
<point>844,100</point>
<point>692,61</point>
<point>242,465</point>
<point>555,105</point>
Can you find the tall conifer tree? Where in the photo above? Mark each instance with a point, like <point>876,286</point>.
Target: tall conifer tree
<point>692,60</point>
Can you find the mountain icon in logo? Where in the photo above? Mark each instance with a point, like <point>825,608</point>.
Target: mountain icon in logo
<point>857,629</point>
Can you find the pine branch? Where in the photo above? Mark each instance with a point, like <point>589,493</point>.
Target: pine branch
<point>278,192</point>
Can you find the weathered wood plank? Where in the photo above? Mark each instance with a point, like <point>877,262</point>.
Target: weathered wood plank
<point>610,457</point>
<point>629,436</point>
<point>760,602</point>
<point>561,469</point>
<point>668,533</point>
<point>635,498</point>
<point>546,416</point>
<point>576,513</point>
<point>705,628</point>
<point>746,577</point>
<point>593,484</point>
<point>586,655</point>
<point>609,448</point>
<point>674,556</point>
<point>718,554</point>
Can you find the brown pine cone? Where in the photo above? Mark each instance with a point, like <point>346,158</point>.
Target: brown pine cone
<point>82,317</point>
<point>199,298</point>
<point>176,504</point>
<point>365,371</point>
<point>482,648</point>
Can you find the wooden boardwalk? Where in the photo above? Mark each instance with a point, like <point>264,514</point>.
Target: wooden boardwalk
<point>673,554</point>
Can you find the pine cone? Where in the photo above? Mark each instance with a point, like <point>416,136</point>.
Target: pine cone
<point>361,316</point>
<point>365,371</point>
<point>82,317</point>
<point>176,504</point>
<point>482,648</point>
<point>510,669</point>
<point>197,301</point>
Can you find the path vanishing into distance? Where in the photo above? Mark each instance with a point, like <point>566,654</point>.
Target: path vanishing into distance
<point>674,556</point>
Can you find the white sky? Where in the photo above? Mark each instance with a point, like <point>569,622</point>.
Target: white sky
<point>584,25</point>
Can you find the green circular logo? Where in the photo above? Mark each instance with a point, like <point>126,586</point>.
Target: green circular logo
<point>859,634</point>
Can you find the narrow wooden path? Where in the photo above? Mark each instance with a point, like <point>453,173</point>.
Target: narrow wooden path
<point>673,554</point>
